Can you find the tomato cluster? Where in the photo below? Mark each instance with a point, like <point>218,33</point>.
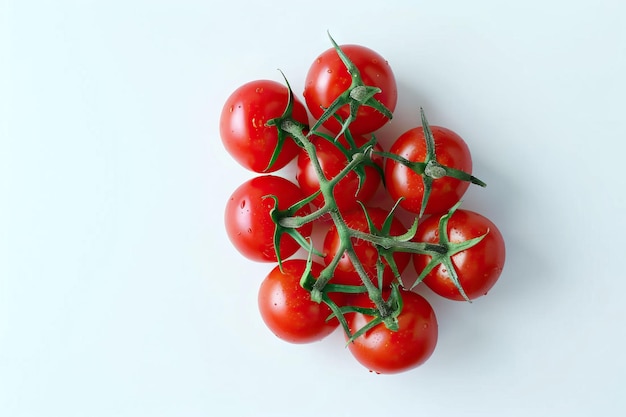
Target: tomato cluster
<point>354,280</point>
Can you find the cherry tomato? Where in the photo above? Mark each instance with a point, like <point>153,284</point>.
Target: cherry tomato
<point>247,217</point>
<point>287,309</point>
<point>387,352</point>
<point>332,161</point>
<point>328,78</point>
<point>450,149</point>
<point>365,251</point>
<point>243,128</point>
<point>478,268</point>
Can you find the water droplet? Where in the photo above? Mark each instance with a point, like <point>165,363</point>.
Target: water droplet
<point>329,71</point>
<point>243,204</point>
<point>319,60</point>
<point>249,230</point>
<point>231,109</point>
<point>259,90</point>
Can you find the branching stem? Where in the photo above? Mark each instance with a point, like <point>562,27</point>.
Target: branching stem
<point>387,311</point>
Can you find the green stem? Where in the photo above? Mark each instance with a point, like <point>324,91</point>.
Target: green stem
<point>345,235</point>
<point>298,221</point>
<point>326,275</point>
<point>386,242</point>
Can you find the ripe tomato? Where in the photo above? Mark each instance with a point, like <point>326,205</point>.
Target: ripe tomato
<point>450,149</point>
<point>478,268</point>
<point>332,161</point>
<point>243,128</point>
<point>328,78</point>
<point>247,217</point>
<point>365,251</point>
<point>386,352</point>
<point>287,309</point>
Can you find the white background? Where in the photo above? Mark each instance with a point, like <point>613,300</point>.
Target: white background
<point>120,294</point>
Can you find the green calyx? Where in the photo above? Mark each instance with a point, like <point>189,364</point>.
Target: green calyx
<point>286,117</point>
<point>430,169</point>
<point>357,95</point>
<point>452,249</point>
<point>289,229</point>
<point>393,306</point>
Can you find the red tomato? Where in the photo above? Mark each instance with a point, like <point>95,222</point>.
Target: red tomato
<point>365,251</point>
<point>450,149</point>
<point>287,309</point>
<point>332,161</point>
<point>248,222</point>
<point>328,78</point>
<point>386,352</point>
<point>478,268</point>
<point>243,128</point>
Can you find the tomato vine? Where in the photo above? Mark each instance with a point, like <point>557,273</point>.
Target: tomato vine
<point>438,254</point>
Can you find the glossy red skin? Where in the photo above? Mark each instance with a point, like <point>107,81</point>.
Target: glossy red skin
<point>365,251</point>
<point>247,217</point>
<point>332,161</point>
<point>386,352</point>
<point>328,78</point>
<point>478,268</point>
<point>243,125</point>
<point>450,149</point>
<point>287,309</point>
